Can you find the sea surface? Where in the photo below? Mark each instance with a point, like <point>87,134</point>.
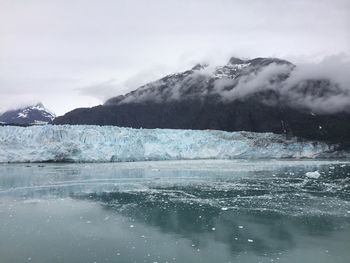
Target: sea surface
<point>176,211</point>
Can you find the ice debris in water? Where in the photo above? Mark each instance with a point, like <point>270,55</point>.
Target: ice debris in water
<point>89,143</point>
<point>313,175</point>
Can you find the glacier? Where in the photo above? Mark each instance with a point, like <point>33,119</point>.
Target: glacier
<point>88,143</point>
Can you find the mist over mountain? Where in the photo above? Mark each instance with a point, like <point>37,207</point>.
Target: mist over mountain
<point>34,114</point>
<point>259,95</point>
<point>239,79</point>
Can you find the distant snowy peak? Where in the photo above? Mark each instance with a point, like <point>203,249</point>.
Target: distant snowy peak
<point>34,114</point>
<point>38,106</point>
<point>24,113</point>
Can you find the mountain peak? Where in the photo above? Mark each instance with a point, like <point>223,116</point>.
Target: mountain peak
<point>34,114</point>
<point>39,105</point>
<point>199,66</point>
<point>234,61</point>
<point>266,61</point>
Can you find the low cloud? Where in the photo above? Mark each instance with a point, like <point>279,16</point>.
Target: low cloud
<point>264,79</point>
<point>102,90</point>
<point>320,87</point>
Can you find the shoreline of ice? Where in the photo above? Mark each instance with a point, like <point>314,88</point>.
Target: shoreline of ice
<point>88,143</point>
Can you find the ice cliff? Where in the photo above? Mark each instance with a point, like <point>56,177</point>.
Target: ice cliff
<point>113,144</point>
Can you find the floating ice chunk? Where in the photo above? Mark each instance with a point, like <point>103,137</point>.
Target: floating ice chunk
<point>313,175</point>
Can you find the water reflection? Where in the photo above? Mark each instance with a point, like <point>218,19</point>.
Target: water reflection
<point>264,232</point>
<point>176,212</point>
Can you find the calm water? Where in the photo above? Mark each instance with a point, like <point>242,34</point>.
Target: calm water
<point>198,211</point>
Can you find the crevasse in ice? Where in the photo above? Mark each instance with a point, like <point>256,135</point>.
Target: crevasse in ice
<point>114,144</point>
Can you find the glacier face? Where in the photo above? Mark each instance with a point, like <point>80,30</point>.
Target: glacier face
<point>86,143</point>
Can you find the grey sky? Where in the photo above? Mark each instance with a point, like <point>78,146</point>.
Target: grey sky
<point>73,53</point>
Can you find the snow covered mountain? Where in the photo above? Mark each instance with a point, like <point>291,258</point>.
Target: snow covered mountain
<point>75,143</point>
<point>203,81</point>
<point>256,95</point>
<point>35,114</point>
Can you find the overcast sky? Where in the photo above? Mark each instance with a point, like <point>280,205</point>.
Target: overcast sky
<point>74,53</point>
